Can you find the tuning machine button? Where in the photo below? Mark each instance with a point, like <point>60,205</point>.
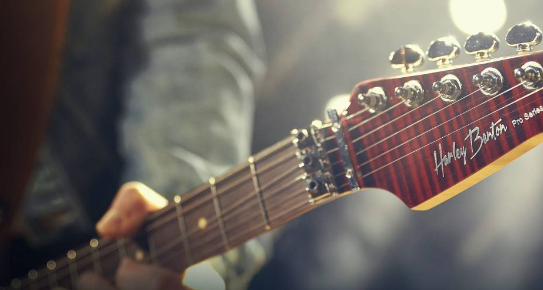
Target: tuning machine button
<point>448,88</point>
<point>407,58</point>
<point>524,36</point>
<point>443,50</point>
<point>411,93</point>
<point>481,45</point>
<point>531,74</point>
<point>375,99</point>
<point>489,81</point>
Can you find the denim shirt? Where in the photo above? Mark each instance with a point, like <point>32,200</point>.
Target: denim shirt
<point>159,91</point>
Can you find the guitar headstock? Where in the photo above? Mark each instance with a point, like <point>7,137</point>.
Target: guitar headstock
<point>427,136</point>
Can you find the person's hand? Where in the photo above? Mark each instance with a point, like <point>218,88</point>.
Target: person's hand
<point>126,214</point>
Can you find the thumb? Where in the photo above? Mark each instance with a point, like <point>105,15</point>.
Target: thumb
<point>131,204</point>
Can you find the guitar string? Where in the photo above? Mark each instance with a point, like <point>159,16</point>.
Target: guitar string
<point>357,113</point>
<point>197,233</point>
<point>461,114</point>
<point>235,206</point>
<point>403,129</point>
<point>367,120</point>
<point>213,246</point>
<point>433,113</point>
<point>63,274</point>
<point>425,132</point>
<point>156,222</point>
<point>397,118</point>
<point>512,103</point>
<point>173,213</point>
<point>398,146</point>
<point>372,117</point>
<point>255,201</point>
<point>195,192</point>
<point>86,252</point>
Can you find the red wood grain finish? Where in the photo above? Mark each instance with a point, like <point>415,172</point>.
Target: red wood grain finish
<point>400,150</point>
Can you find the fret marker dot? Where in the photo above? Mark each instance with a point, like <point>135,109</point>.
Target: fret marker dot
<point>202,223</point>
<point>16,283</point>
<point>139,255</point>
<point>32,274</point>
<point>93,243</point>
<point>267,227</point>
<point>71,254</point>
<point>51,265</point>
<point>177,199</point>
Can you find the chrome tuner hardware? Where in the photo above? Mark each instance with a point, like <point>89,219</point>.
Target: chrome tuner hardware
<point>375,99</point>
<point>524,36</point>
<point>481,45</point>
<point>407,58</point>
<point>314,161</point>
<point>412,94</point>
<point>350,173</point>
<point>448,88</point>
<point>531,74</point>
<point>443,50</point>
<point>490,81</point>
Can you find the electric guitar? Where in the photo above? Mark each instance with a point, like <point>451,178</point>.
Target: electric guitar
<point>424,137</point>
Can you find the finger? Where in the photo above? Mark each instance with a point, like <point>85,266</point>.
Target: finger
<point>130,205</point>
<point>135,276</point>
<point>89,281</point>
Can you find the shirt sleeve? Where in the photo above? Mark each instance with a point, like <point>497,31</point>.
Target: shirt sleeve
<point>189,102</point>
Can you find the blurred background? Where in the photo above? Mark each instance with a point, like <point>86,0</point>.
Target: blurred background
<point>489,237</point>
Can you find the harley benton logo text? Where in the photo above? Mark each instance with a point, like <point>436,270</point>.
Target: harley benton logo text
<point>477,140</point>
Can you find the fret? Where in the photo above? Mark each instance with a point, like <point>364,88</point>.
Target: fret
<point>72,266</point>
<point>109,257</point>
<point>121,248</point>
<point>218,213</point>
<point>152,249</point>
<point>274,170</point>
<point>258,193</point>
<point>95,254</point>
<point>32,276</point>
<point>183,228</point>
<point>52,274</point>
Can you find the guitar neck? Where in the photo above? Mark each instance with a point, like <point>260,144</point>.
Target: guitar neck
<point>264,193</point>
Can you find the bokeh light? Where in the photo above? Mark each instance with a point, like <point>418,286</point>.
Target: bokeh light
<point>338,102</point>
<point>472,16</point>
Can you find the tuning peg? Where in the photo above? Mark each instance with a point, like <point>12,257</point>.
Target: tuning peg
<point>481,45</point>
<point>407,58</point>
<point>524,36</point>
<point>444,50</point>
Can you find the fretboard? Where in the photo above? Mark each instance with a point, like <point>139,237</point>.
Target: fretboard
<point>262,194</point>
